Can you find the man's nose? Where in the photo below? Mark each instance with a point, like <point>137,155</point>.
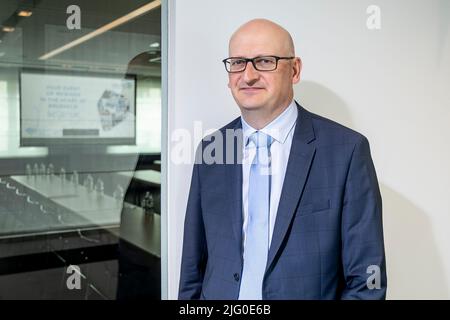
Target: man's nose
<point>250,75</point>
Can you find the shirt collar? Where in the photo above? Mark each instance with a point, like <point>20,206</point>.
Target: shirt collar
<point>278,128</point>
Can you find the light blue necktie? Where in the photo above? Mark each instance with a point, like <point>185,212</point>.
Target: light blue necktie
<point>256,245</point>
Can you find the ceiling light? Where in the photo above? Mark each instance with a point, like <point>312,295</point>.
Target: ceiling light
<point>114,24</point>
<point>154,45</point>
<point>24,13</point>
<point>8,29</point>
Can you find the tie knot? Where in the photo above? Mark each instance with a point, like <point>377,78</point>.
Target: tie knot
<point>260,139</point>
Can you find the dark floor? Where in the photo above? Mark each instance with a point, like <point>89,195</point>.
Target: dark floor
<point>36,268</point>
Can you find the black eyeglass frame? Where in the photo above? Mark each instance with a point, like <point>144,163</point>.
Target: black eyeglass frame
<point>252,60</point>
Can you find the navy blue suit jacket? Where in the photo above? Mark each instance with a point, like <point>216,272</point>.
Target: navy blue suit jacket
<point>328,236</point>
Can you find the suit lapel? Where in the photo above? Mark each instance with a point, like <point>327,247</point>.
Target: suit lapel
<point>234,179</point>
<point>299,163</point>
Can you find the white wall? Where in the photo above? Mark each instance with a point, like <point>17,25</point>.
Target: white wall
<point>390,84</point>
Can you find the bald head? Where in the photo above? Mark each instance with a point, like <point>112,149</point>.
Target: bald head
<point>262,95</point>
<point>263,36</point>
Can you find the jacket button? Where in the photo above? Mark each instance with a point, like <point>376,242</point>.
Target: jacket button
<point>236,276</point>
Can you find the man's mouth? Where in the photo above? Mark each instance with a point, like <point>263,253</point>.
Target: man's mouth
<point>251,89</point>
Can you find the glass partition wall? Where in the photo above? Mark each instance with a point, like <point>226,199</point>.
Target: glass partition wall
<point>80,145</point>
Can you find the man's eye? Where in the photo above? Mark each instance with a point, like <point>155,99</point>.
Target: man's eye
<point>265,61</point>
<point>237,62</point>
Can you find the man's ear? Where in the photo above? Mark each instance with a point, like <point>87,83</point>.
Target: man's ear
<point>297,69</point>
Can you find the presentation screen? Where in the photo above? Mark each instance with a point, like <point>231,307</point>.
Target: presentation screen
<point>76,109</point>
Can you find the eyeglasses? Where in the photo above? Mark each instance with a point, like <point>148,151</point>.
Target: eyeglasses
<point>264,63</point>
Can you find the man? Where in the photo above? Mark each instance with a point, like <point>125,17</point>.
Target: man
<point>300,217</point>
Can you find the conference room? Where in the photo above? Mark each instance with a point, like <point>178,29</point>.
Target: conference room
<point>80,149</point>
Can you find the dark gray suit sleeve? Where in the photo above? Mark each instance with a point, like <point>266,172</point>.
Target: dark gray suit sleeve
<point>363,254</point>
<point>194,244</point>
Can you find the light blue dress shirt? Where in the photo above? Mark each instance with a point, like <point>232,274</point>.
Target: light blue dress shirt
<point>281,129</point>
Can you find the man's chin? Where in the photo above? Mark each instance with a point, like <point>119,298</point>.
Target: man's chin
<point>251,107</point>
<point>251,104</point>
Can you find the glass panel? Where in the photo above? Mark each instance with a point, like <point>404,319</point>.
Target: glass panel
<point>80,146</point>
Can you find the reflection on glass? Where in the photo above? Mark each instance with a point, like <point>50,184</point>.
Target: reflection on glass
<point>79,137</point>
